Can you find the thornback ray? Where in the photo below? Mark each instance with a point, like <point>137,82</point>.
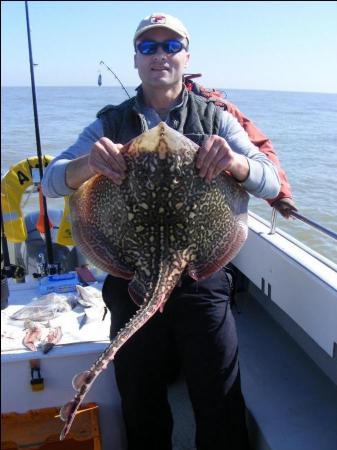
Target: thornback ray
<point>163,220</point>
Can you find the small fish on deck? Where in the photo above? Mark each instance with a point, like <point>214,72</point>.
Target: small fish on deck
<point>46,307</point>
<point>89,295</point>
<point>40,335</point>
<point>32,336</point>
<point>53,337</point>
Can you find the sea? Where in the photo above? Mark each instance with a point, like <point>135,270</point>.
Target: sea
<point>302,127</point>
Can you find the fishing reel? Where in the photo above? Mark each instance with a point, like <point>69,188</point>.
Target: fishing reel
<point>44,269</point>
<point>14,271</point>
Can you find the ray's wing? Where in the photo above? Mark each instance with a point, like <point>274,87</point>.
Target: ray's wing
<point>219,225</point>
<point>99,222</point>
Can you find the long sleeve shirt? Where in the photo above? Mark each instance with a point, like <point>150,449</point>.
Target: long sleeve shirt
<point>262,181</point>
<point>265,145</point>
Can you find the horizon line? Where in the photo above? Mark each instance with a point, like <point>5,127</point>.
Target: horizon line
<point>134,87</point>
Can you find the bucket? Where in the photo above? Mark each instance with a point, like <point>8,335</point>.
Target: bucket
<point>4,292</point>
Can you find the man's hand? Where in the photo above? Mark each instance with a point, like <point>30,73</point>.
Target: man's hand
<point>105,158</point>
<point>284,206</point>
<point>215,156</point>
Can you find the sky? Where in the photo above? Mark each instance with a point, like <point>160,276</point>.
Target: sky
<point>266,45</point>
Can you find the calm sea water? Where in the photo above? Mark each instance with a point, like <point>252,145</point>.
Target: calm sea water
<point>303,127</point>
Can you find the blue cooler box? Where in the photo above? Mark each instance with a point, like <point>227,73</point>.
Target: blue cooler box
<point>65,282</point>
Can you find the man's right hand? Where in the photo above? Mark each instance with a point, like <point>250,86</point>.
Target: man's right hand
<point>105,158</point>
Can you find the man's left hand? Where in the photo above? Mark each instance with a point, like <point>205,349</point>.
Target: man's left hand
<point>215,156</point>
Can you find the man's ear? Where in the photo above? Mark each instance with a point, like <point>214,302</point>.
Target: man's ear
<point>135,61</point>
<point>187,59</point>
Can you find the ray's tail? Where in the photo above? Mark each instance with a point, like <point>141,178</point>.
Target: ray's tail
<point>168,277</point>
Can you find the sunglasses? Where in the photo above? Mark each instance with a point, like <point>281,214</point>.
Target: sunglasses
<point>169,46</point>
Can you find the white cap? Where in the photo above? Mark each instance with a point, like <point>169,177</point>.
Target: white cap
<point>161,20</point>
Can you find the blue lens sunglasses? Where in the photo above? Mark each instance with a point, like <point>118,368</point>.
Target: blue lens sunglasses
<point>169,46</point>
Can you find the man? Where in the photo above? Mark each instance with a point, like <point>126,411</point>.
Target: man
<point>196,323</point>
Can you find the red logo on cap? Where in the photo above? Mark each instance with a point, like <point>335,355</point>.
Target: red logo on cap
<point>158,19</point>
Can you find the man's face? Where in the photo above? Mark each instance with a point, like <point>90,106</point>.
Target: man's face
<point>161,69</point>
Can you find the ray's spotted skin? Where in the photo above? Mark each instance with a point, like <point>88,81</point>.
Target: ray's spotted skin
<point>164,219</point>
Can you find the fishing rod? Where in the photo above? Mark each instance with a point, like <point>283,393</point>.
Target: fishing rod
<point>113,73</point>
<point>46,223</point>
<point>9,270</point>
<point>7,264</point>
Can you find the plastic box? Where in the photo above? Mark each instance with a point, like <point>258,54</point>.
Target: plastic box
<point>62,283</point>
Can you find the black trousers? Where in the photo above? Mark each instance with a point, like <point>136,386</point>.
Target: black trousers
<point>197,327</point>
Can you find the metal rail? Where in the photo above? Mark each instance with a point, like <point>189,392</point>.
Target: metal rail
<point>304,219</point>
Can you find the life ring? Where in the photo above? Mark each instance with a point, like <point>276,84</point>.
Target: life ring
<point>13,185</point>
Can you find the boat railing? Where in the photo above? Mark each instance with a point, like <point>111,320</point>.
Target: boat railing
<point>304,219</point>
<point>271,226</point>
<point>331,234</point>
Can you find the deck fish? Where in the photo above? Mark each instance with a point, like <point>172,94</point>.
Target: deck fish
<point>46,307</point>
<point>51,339</point>
<point>163,220</point>
<point>41,335</point>
<point>33,335</point>
<point>89,296</point>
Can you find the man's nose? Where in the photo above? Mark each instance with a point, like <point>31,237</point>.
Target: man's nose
<point>160,54</point>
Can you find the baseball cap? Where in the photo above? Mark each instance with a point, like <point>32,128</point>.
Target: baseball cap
<point>161,20</point>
